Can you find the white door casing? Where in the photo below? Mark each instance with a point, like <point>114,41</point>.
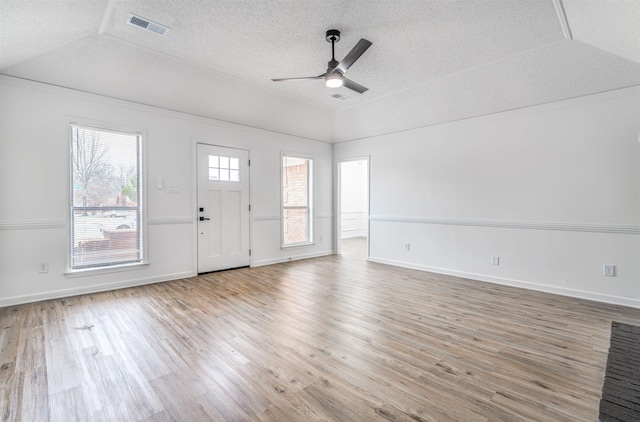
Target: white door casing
<point>223,208</point>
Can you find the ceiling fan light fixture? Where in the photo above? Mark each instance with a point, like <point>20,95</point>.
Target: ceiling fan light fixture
<point>334,80</point>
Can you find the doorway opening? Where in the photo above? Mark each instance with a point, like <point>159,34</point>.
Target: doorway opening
<point>353,208</point>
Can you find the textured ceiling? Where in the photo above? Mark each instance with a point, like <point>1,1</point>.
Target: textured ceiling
<point>430,62</point>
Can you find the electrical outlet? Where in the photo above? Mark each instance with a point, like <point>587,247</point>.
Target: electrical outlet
<point>43,266</point>
<point>609,270</point>
<point>407,247</point>
<point>495,260</point>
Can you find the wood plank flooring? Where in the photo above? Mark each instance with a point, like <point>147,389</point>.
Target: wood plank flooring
<point>355,247</point>
<point>325,339</point>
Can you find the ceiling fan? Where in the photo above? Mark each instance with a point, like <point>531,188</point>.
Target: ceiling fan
<point>334,76</point>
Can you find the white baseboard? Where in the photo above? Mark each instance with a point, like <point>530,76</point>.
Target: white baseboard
<point>96,288</point>
<point>280,260</point>
<point>581,294</point>
<point>55,294</point>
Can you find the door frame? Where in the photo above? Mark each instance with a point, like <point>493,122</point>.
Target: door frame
<point>194,198</point>
<point>337,236</point>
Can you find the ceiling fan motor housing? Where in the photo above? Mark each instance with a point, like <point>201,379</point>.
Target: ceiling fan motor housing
<point>333,35</point>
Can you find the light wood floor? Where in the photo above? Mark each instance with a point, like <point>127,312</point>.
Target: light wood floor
<point>330,338</point>
<point>355,247</point>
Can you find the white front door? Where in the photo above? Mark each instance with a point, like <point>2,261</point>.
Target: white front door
<point>223,208</point>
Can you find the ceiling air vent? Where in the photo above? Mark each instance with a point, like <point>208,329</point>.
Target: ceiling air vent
<point>340,97</point>
<point>147,24</point>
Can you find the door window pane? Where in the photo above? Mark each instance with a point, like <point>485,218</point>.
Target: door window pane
<point>224,169</point>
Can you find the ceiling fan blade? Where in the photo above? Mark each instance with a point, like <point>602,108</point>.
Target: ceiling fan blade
<point>300,79</point>
<point>348,83</point>
<point>353,55</point>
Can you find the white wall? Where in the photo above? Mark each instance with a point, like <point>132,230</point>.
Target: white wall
<point>553,190</point>
<point>34,183</point>
<point>354,199</point>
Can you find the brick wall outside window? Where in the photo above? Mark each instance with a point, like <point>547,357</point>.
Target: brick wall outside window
<point>294,194</point>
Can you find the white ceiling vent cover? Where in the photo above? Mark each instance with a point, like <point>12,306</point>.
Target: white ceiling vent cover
<point>147,24</point>
<point>340,97</point>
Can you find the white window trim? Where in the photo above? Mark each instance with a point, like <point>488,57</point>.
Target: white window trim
<point>109,127</point>
<point>311,188</point>
<point>82,272</point>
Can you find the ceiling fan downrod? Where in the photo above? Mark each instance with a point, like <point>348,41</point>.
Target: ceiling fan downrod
<point>333,36</point>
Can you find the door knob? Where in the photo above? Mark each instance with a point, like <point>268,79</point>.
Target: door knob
<point>204,218</point>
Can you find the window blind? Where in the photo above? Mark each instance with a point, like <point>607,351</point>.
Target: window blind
<point>105,197</point>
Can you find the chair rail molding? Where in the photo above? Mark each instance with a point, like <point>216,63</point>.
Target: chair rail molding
<point>31,224</point>
<point>512,224</point>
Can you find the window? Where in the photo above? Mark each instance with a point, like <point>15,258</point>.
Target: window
<point>297,212</point>
<point>106,198</point>
<point>224,169</point>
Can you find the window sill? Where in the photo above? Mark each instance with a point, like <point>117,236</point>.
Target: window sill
<point>105,270</point>
<point>297,245</point>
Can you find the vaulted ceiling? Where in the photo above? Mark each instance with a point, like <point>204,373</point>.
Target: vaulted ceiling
<point>430,62</point>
